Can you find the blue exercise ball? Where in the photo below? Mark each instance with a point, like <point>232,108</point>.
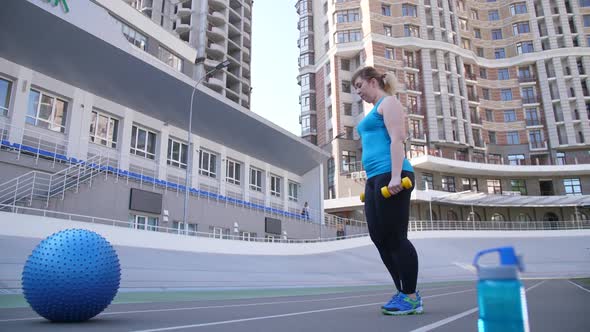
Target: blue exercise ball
<point>71,276</point>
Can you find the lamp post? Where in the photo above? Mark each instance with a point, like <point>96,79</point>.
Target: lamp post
<point>189,160</point>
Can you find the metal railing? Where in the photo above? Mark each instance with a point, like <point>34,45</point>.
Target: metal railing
<point>414,226</point>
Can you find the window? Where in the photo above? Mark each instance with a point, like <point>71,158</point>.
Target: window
<point>492,137</point>
<point>532,117</point>
<point>348,131</point>
<point>177,153</point>
<point>463,24</point>
<point>411,30</point>
<point>347,109</point>
<point>584,3</point>
<point>489,115</point>
<point>345,64</point>
<point>528,95</point>
<point>428,181</point>
<point>536,139</point>
<point>388,30</point>
<point>349,161</point>
<point>143,222</point>
<point>143,142</point>
<point>506,94</point>
<point>518,185</point>
<point>499,53</point>
<point>255,179</point>
<point>485,92</point>
<point>477,33</point>
<point>47,111</point>
<point>572,186</point>
<point>493,15</point>
<point>134,37</point>
<point>586,21</point>
<point>516,159</point>
<point>480,52</point>
<point>348,36</point>
<point>560,158</point>
<point>344,16</point>
<point>293,191</point>
<point>474,14</point>
<point>389,53</point>
<point>518,8</point>
<point>104,129</point>
<point>494,187</point>
<point>408,10</point>
<point>512,137</point>
<point>346,87</point>
<point>207,163</point>
<point>483,73</point>
<point>5,91</point>
<point>520,28</point>
<point>182,228</point>
<point>525,47</point>
<point>275,186</point>
<point>503,74</point>
<point>169,58</point>
<point>233,172</point>
<point>448,183</point>
<point>386,10</point>
<point>509,116</point>
<point>496,34</point>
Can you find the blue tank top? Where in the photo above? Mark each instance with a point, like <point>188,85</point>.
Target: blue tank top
<point>376,144</point>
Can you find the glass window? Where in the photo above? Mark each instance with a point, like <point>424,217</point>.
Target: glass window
<point>448,183</point>
<point>169,58</point>
<point>233,172</point>
<point>143,142</point>
<point>518,8</point>
<point>207,163</point>
<point>519,185</point>
<point>177,153</point>
<point>104,129</point>
<point>275,185</point>
<point>572,186</point>
<point>389,53</point>
<point>428,181</point>
<point>496,34</point>
<point>386,10</point>
<point>388,30</point>
<point>47,111</point>
<point>493,15</point>
<point>492,137</point>
<point>506,94</point>
<point>512,137</point>
<point>5,91</point>
<point>255,179</point>
<point>509,116</point>
<point>134,37</point>
<point>503,74</point>
<point>494,187</point>
<point>409,10</point>
<point>499,53</point>
<point>516,159</point>
<point>349,161</point>
<point>293,191</point>
<point>348,36</point>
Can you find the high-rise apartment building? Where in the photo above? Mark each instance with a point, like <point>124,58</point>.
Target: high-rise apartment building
<point>496,95</point>
<point>216,29</point>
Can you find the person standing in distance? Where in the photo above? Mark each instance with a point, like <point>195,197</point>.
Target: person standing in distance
<point>383,132</point>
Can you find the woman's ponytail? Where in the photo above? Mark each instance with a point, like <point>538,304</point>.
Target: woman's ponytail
<point>390,82</point>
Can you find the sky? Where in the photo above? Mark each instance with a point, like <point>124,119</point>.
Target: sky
<point>275,93</point>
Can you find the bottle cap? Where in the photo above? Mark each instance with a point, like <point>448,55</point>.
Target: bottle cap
<point>509,266</point>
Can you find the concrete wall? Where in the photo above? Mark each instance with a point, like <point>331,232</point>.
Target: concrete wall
<point>161,261</point>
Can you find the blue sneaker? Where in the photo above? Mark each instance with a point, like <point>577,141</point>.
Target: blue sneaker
<point>393,298</point>
<point>404,305</point>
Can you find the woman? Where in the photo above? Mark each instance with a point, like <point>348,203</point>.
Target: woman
<point>383,132</point>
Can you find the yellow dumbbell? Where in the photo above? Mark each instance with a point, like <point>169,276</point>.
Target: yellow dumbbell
<point>406,184</point>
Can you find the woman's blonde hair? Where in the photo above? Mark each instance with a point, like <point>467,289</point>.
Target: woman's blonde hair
<point>387,81</point>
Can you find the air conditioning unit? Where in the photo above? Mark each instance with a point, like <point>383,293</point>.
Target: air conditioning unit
<point>354,175</point>
<point>362,174</point>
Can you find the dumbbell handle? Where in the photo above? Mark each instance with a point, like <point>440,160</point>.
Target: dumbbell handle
<point>406,184</point>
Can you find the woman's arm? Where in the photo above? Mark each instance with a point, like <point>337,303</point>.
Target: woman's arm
<point>395,122</point>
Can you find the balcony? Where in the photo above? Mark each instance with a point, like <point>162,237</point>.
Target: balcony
<point>527,79</point>
<point>536,146</point>
<point>216,18</point>
<point>471,76</point>
<point>215,34</point>
<point>183,12</point>
<point>215,48</point>
<point>531,100</point>
<point>473,97</point>
<point>411,64</point>
<point>419,136</point>
<point>219,3</point>
<point>534,122</point>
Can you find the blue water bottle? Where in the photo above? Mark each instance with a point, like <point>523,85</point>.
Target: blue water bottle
<point>500,294</point>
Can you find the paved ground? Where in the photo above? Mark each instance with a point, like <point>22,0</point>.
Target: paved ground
<point>449,307</point>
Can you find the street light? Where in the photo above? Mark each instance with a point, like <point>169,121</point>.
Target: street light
<point>189,160</point>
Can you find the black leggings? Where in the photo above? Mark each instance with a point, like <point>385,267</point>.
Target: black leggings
<point>387,220</point>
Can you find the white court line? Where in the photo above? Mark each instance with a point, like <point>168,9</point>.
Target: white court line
<point>580,287</point>
<point>455,317</point>
<point>283,315</point>
<point>228,305</point>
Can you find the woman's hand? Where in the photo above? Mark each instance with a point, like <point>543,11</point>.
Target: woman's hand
<point>395,185</point>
